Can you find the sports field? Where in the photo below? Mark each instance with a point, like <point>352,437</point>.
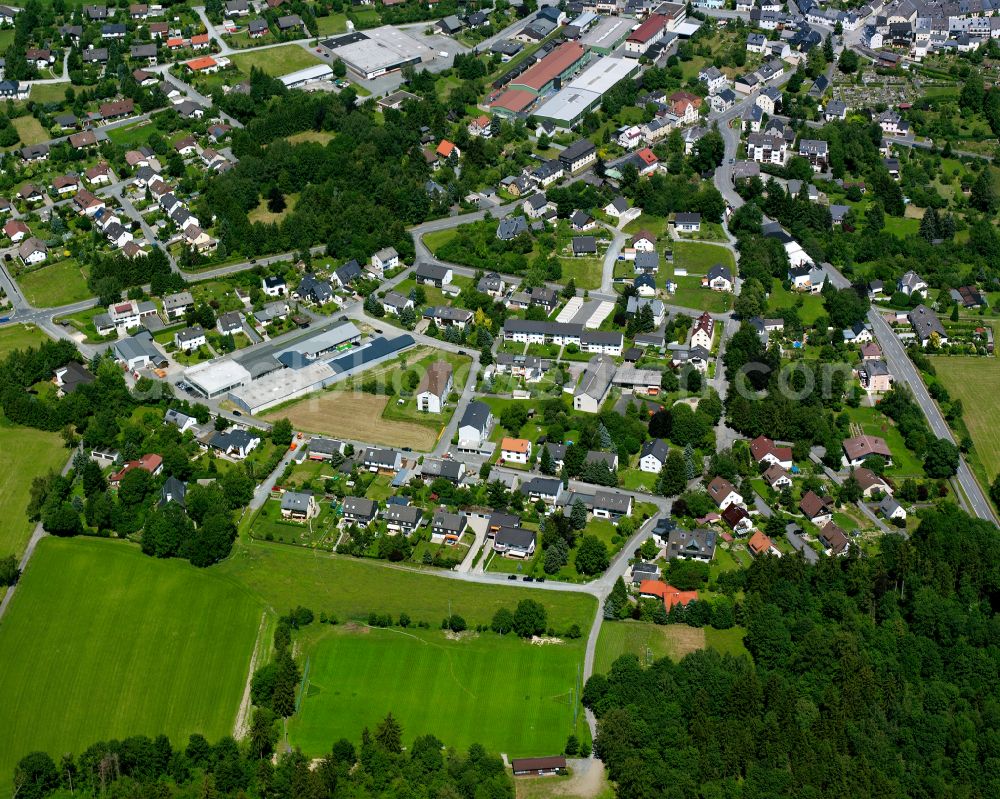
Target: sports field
<point>27,454</point>
<point>976,381</point>
<point>19,337</point>
<point>101,641</point>
<point>648,641</point>
<point>507,694</point>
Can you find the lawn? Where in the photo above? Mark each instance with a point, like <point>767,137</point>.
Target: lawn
<point>332,23</point>
<point>976,381</point>
<point>276,61</point>
<point>657,225</point>
<point>587,272</point>
<point>266,216</point>
<point>648,641</point>
<point>810,309</point>
<point>45,92</point>
<point>901,227</point>
<point>56,284</point>
<point>102,642</point>
<point>19,337</point>
<point>438,238</point>
<point>314,136</point>
<point>132,135</point>
<point>30,130</point>
<point>507,694</point>
<point>698,257</point>
<point>27,454</point>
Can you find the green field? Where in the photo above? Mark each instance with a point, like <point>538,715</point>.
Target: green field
<point>55,284</point>
<point>874,423</point>
<point>332,23</point>
<point>698,257</point>
<point>101,641</point>
<point>19,337</point>
<point>27,454</point>
<point>976,381</point>
<point>586,272</point>
<point>276,60</point>
<point>132,135</point>
<point>509,695</point>
<point>351,589</point>
<point>651,642</point>
<point>30,130</point>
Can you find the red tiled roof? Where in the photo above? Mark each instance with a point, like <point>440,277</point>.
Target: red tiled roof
<point>653,25</point>
<point>551,67</point>
<point>514,100</point>
<point>758,543</point>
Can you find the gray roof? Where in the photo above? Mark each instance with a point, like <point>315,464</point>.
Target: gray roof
<point>137,346</point>
<point>516,537</point>
<point>449,522</point>
<point>925,322</point>
<point>720,271</point>
<point>656,447</point>
<point>476,415</point>
<point>325,446</point>
<point>431,271</point>
<point>359,506</point>
<point>441,467</point>
<point>511,227</point>
<point>404,514</point>
<point>296,501</point>
<point>546,486</point>
<point>596,377</point>
<point>612,501</point>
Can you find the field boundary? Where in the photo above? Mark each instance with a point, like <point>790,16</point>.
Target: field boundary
<point>241,727</point>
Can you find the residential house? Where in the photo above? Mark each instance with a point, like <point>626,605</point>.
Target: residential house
<point>151,463</point>
<point>738,519</point>
<point>691,545</point>
<point>515,542</point>
<point>926,326</point>
<point>386,258</point>
<point>447,527</point>
<point>190,338</point>
<point>475,425</point>
<point>875,376</point>
<point>236,442</point>
<point>891,509</point>
<point>759,544</point>
<point>687,222</point>
<point>763,450</point>
<point>911,283</point>
<point>593,388</point>
<point>777,477</point>
<point>434,388</point>
<point>70,377</point>
<point>511,227</point>
<point>612,505</point>
<point>395,303</point>
<point>547,489</point>
<point>703,331</point>
<point>404,519</point>
<point>432,274</point>
<point>274,286</point>
<point>817,152</point>
<point>817,509</point>
<point>653,455</point>
<point>180,420</point>
<point>376,459</point>
<point>719,278</point>
<point>515,450</point>
<point>175,306</point>
<point>858,449</point>
<point>449,469</point>
<point>834,540</point>
<point>358,510</point>
<point>723,493</point>
<point>298,506</point>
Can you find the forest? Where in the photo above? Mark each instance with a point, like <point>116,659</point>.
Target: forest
<point>873,677</point>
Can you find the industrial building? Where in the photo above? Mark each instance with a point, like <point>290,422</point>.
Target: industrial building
<point>299,78</point>
<point>607,35</point>
<point>549,73</point>
<point>314,375</point>
<point>584,93</point>
<point>377,51</point>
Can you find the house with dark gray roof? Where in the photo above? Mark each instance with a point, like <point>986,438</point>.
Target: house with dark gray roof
<point>514,542</point>
<point>612,504</point>
<point>447,527</point>
<point>693,545</point>
<point>511,227</point>
<point>402,518</point>
<point>653,455</point>
<point>359,510</point>
<point>448,468</point>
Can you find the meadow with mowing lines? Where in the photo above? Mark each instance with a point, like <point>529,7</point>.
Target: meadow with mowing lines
<point>509,695</point>
<point>27,454</point>
<point>976,381</point>
<point>101,641</point>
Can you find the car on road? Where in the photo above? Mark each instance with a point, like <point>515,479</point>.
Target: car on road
<point>511,576</point>
<point>237,413</point>
<point>732,161</point>
<point>528,578</point>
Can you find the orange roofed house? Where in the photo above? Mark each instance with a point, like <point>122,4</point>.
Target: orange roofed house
<point>515,450</point>
<point>654,589</point>
<point>203,63</point>
<point>445,149</point>
<point>151,463</point>
<point>759,544</point>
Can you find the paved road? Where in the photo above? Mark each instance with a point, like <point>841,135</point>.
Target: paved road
<point>610,259</point>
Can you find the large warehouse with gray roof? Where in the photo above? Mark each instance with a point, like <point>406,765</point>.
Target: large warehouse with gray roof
<point>377,51</point>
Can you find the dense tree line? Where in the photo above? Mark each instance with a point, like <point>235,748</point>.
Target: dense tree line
<point>380,766</point>
<point>869,677</point>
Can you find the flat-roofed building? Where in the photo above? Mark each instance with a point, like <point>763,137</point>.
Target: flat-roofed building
<point>607,35</point>
<point>377,51</point>
<point>215,378</point>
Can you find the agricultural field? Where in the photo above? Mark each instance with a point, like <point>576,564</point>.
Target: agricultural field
<point>356,416</point>
<point>19,337</point>
<point>508,694</point>
<point>976,381</point>
<point>55,284</point>
<point>276,61</point>
<point>102,641</point>
<point>27,454</point>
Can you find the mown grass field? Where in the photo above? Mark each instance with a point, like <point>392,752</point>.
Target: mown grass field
<point>276,61</point>
<point>976,381</point>
<point>27,454</point>
<point>30,130</point>
<point>101,641</point>
<point>19,337</point>
<point>507,694</point>
<point>55,284</point>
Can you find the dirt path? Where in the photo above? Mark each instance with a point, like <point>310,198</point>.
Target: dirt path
<point>242,726</point>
